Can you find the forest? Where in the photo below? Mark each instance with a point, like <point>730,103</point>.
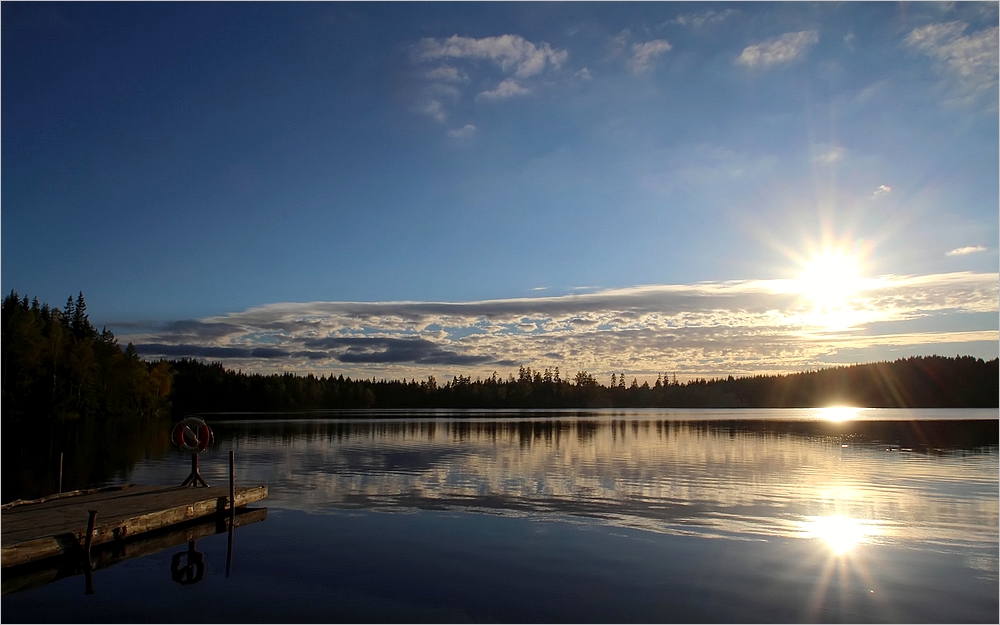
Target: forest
<point>917,382</point>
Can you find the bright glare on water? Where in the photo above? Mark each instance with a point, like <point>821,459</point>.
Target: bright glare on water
<point>839,514</point>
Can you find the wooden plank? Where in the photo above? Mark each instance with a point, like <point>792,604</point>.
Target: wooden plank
<point>52,569</point>
<point>56,526</point>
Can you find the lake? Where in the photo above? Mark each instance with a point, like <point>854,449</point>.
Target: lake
<point>599,516</point>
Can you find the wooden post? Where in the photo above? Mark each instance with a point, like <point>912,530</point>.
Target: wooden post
<point>232,483</point>
<point>90,533</point>
<point>88,564</point>
<point>60,471</point>
<point>232,511</point>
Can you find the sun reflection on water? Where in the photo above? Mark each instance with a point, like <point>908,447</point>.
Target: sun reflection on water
<point>841,533</point>
<point>839,413</point>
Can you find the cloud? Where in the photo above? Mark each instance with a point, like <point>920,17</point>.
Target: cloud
<point>446,74</point>
<point>509,88</point>
<point>455,58</point>
<point>827,154</point>
<point>392,350</point>
<point>435,109</point>
<point>967,61</point>
<point>512,53</point>
<point>708,327</point>
<point>882,189</point>
<point>698,20</point>
<point>463,133</point>
<point>643,54</point>
<point>783,49</point>
<point>969,249</point>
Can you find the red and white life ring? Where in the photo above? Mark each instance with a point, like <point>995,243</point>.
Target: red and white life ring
<point>192,434</point>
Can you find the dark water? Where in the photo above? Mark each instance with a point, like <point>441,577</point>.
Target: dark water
<point>663,516</point>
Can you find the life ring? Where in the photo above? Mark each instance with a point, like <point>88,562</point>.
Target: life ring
<point>192,434</point>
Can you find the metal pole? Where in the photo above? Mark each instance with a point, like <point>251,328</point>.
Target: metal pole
<point>60,470</point>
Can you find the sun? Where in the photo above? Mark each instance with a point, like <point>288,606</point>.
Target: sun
<point>829,281</point>
<point>830,278</point>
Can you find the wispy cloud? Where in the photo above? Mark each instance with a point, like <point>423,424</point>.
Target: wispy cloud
<point>883,189</point>
<point>783,49</point>
<point>463,133</point>
<point>643,54</point>
<point>967,61</point>
<point>446,74</point>
<point>512,53</point>
<point>969,249</point>
<point>736,326</point>
<point>455,59</point>
<point>827,154</point>
<point>509,88</point>
<point>699,20</point>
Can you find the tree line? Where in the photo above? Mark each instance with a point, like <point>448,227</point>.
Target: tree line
<point>924,382</point>
<point>55,364</point>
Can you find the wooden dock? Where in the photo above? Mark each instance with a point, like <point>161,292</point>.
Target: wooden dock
<point>57,525</point>
<point>18,579</point>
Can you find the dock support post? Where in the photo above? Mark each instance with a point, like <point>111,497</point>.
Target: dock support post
<point>232,483</point>
<point>88,563</point>
<point>60,471</point>
<point>232,510</point>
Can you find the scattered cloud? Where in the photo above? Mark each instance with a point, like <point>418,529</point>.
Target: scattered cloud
<point>967,61</point>
<point>539,288</point>
<point>704,328</point>
<point>969,249</point>
<point>883,189</point>
<point>783,49</point>
<point>699,20</point>
<point>583,74</point>
<point>512,53</point>
<point>827,154</point>
<point>435,109</point>
<point>446,74</point>
<point>643,54</point>
<point>509,88</point>
<point>458,62</point>
<point>463,133</point>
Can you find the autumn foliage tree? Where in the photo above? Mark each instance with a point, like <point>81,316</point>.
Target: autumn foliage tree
<point>57,365</point>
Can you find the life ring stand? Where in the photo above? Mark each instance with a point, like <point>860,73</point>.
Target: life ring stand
<point>187,567</point>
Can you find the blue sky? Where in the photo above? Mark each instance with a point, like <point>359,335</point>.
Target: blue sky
<point>412,189</point>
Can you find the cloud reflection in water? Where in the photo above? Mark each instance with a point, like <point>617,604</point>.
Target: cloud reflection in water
<point>754,480</point>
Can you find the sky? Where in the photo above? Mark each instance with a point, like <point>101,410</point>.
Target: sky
<point>401,190</point>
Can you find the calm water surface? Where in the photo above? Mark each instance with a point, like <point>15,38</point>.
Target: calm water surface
<point>663,516</point>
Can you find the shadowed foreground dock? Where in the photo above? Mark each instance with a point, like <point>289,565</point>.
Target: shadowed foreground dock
<point>57,525</point>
